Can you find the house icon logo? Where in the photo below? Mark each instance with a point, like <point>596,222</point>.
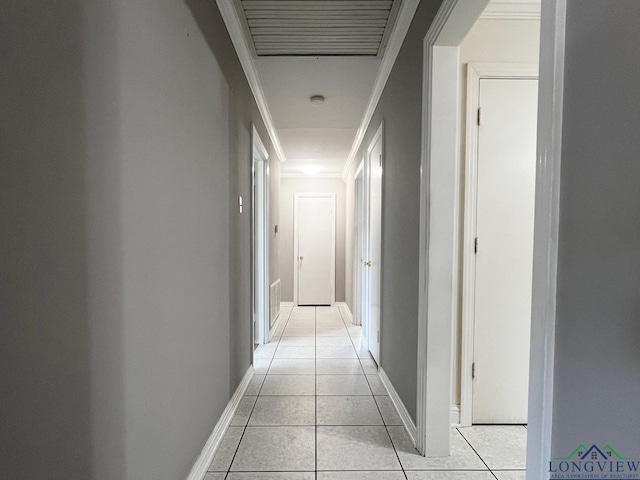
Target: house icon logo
<point>594,462</point>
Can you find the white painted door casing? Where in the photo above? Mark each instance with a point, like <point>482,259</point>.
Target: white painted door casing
<point>373,171</point>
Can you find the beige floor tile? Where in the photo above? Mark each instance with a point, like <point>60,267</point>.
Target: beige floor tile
<point>295,410</point>
<point>348,410</point>
<point>276,449</point>
<point>462,456</point>
<point>342,385</point>
<point>289,385</point>
<point>501,447</point>
<point>355,448</point>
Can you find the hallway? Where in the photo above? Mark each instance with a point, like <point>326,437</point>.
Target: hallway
<point>316,408</point>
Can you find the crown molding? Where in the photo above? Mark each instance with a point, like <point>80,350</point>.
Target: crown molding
<point>232,20</point>
<point>511,10</point>
<point>310,176</point>
<point>405,15</point>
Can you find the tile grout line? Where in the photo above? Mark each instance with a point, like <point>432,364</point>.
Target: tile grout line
<point>315,390</point>
<point>386,429</point>
<point>246,425</point>
<point>395,450</point>
<point>476,452</point>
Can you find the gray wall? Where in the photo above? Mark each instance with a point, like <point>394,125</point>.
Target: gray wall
<point>401,110</point>
<point>597,363</point>
<point>290,186</point>
<point>45,412</point>
<point>126,141</point>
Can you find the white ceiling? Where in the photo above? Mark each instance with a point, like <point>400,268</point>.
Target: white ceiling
<point>321,136</point>
<point>323,150</point>
<point>317,135</point>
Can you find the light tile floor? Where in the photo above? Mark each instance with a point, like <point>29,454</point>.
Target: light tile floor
<point>317,410</point>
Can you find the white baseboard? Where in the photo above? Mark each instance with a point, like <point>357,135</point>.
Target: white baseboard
<point>344,308</point>
<point>402,410</point>
<point>199,469</point>
<point>276,324</point>
<point>455,415</point>
<point>286,304</point>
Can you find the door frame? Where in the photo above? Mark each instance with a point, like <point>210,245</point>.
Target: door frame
<point>377,137</point>
<point>360,235</point>
<point>438,229</point>
<point>259,239</point>
<point>475,73</point>
<point>296,197</point>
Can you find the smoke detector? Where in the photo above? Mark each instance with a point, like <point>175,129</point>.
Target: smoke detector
<point>317,100</point>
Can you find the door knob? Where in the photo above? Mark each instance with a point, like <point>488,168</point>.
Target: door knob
<point>300,258</point>
<point>368,264</point>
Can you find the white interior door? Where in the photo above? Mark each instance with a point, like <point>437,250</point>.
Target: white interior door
<point>504,231</point>
<point>359,253</point>
<point>374,173</point>
<point>315,257</point>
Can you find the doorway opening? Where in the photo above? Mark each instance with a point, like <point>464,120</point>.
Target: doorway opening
<point>260,239</point>
<point>442,214</point>
<point>360,251</point>
<point>368,252</point>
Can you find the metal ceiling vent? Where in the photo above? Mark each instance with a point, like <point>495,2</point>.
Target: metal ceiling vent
<point>318,27</point>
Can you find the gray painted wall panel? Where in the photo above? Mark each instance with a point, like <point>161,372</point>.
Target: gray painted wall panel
<point>597,382</point>
<point>125,144</point>
<point>401,110</point>
<point>45,411</point>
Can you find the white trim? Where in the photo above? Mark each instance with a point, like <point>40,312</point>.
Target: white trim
<point>545,246</point>
<point>199,469</point>
<point>405,15</point>
<point>260,269</point>
<point>310,176</point>
<point>296,197</point>
<point>455,415</point>
<point>234,26</point>
<point>475,72</point>
<point>258,144</point>
<point>511,10</point>
<point>439,207</point>
<point>397,402</point>
<point>276,324</point>
<point>346,310</point>
<point>286,304</point>
<point>369,241</point>
<point>359,205</point>
<point>359,169</point>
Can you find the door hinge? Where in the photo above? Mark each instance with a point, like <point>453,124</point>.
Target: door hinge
<point>473,370</point>
<point>479,115</point>
<point>475,245</point>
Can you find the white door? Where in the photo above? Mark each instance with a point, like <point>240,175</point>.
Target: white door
<point>374,172</point>
<point>359,250</point>
<point>504,258</point>
<point>315,263</point>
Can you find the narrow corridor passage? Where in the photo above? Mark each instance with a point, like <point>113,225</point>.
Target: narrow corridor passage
<point>316,409</point>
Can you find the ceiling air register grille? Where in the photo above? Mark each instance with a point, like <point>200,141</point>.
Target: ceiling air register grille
<point>318,27</point>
